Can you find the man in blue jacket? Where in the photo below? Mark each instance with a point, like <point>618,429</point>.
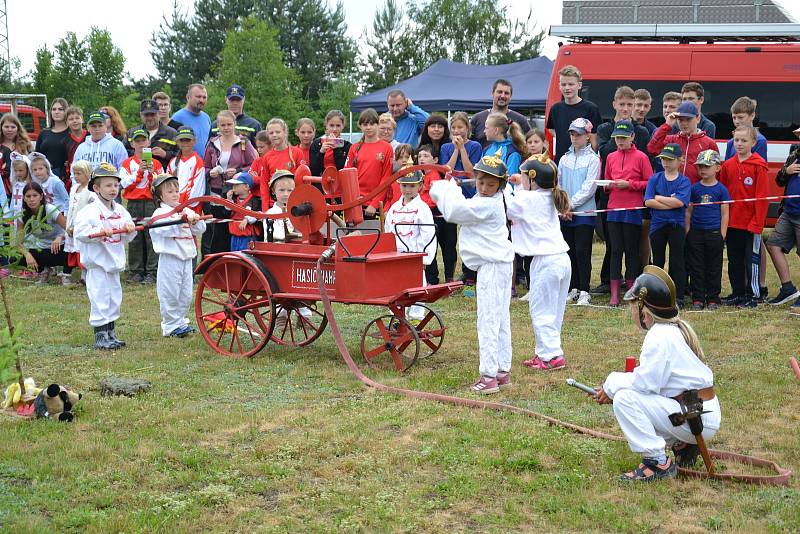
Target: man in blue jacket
<point>409,118</point>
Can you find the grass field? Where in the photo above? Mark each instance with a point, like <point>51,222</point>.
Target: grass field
<point>290,441</point>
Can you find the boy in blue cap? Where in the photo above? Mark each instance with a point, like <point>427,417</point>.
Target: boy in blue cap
<point>243,228</point>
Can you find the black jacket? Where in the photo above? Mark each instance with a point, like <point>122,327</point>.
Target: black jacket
<point>163,138</point>
<point>782,178</point>
<point>317,163</point>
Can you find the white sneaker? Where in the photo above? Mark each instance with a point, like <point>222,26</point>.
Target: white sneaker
<point>584,299</point>
<point>572,295</point>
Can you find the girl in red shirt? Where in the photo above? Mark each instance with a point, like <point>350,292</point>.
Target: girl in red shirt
<point>373,159</point>
<point>281,156</point>
<point>305,132</point>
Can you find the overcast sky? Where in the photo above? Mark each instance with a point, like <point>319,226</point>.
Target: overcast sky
<point>132,23</point>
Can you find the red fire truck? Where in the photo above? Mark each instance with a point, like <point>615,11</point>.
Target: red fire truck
<point>760,61</point>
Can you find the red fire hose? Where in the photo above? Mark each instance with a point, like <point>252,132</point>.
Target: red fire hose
<point>795,367</point>
<point>780,478</point>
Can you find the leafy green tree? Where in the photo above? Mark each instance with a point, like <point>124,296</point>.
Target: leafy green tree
<point>172,51</point>
<point>314,41</point>
<point>69,70</point>
<point>471,31</point>
<point>389,45</point>
<point>87,72</point>
<point>43,71</point>
<point>251,56</point>
<point>106,65</point>
<point>312,38</point>
<point>468,31</point>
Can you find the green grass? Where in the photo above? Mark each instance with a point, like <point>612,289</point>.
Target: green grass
<point>290,441</point>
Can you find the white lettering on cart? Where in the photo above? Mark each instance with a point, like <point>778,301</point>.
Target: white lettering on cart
<point>304,275</point>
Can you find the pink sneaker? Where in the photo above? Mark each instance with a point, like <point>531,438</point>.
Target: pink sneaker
<point>486,385</point>
<point>503,379</point>
<point>537,363</point>
<point>26,274</point>
<point>4,273</point>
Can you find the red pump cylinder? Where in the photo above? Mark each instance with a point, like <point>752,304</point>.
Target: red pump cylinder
<point>348,186</point>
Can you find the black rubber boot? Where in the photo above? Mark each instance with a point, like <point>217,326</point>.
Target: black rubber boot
<point>112,335</point>
<point>101,340</point>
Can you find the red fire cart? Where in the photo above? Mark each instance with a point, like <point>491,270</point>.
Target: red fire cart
<point>270,292</point>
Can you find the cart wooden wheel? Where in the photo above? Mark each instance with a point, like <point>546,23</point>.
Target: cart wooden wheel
<point>298,323</point>
<point>234,307</point>
<point>390,341</point>
<point>430,330</point>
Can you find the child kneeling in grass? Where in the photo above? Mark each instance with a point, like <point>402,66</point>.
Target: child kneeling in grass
<point>670,364</point>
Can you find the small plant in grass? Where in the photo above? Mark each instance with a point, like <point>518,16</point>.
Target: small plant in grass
<point>12,249</point>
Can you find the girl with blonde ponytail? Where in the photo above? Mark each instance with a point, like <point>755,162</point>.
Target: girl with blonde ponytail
<point>507,137</point>
<point>534,211</point>
<point>670,364</point>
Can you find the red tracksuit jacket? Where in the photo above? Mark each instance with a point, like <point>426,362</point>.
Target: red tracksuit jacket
<point>746,179</point>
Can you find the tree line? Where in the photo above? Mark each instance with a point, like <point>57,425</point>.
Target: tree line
<point>294,57</point>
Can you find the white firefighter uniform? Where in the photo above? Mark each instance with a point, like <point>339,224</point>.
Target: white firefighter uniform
<point>282,230</point>
<point>413,238</point>
<point>191,174</point>
<point>280,227</point>
<point>642,399</point>
<point>103,257</point>
<point>176,248</point>
<point>536,232</point>
<point>484,247</point>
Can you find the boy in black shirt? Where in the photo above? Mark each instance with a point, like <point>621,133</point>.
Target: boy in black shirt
<point>572,107</point>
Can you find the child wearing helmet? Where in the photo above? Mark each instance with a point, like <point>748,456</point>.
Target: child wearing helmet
<point>416,231</point>
<point>176,247</point>
<point>484,247</point>
<point>281,186</point>
<point>104,256</point>
<point>243,228</point>
<point>534,211</point>
<point>670,364</point>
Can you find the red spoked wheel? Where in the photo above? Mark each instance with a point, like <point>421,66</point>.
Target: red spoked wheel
<point>390,341</point>
<point>298,323</point>
<point>234,307</point>
<point>430,330</point>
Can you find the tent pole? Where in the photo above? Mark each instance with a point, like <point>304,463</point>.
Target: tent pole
<point>351,126</point>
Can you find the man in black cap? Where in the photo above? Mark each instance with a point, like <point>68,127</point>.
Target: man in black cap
<point>162,137</point>
<point>245,124</point>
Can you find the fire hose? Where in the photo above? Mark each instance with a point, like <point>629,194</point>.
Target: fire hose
<point>780,478</point>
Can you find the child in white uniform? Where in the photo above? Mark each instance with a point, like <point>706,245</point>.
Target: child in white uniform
<point>670,364</point>
<point>536,233</point>
<point>104,256</point>
<point>79,197</point>
<point>484,247</point>
<point>281,186</point>
<point>411,210</point>
<point>176,249</point>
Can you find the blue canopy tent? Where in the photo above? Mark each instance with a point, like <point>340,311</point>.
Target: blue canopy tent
<point>450,86</point>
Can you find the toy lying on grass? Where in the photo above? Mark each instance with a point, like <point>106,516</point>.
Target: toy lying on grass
<point>54,401</point>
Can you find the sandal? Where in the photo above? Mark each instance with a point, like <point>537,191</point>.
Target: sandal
<point>685,453</point>
<point>650,471</point>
